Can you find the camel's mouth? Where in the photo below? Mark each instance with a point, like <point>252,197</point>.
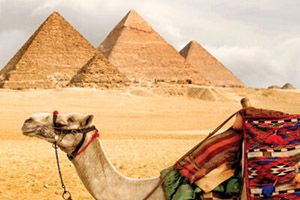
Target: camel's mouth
<point>35,132</point>
<point>26,130</point>
<point>39,135</point>
<point>29,130</point>
<point>30,133</point>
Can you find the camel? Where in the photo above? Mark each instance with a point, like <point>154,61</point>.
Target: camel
<point>95,170</point>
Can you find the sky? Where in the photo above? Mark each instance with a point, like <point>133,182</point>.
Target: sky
<point>258,40</point>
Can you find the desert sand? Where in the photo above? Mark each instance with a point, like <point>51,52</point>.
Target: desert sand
<point>143,130</point>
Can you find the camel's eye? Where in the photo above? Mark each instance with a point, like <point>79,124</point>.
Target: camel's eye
<point>60,125</point>
<point>29,120</point>
<point>70,120</point>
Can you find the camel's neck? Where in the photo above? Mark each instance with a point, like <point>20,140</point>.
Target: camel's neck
<point>104,182</point>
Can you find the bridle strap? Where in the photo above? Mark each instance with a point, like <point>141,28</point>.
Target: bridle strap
<point>66,194</point>
<point>71,131</point>
<point>96,134</point>
<point>74,153</point>
<point>84,131</point>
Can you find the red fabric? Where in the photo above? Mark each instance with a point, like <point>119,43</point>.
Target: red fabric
<point>215,151</point>
<point>55,112</point>
<point>271,154</point>
<point>96,134</point>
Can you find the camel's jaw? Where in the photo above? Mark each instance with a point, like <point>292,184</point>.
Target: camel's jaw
<point>35,130</point>
<point>36,133</point>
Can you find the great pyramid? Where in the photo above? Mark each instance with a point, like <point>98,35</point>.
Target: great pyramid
<point>143,55</point>
<point>50,57</point>
<point>209,66</point>
<point>98,72</point>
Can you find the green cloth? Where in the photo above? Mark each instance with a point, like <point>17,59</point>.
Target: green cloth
<point>219,188</point>
<point>233,186</point>
<point>184,192</point>
<point>176,186</point>
<point>172,182</point>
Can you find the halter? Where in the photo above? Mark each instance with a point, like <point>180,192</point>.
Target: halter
<point>84,131</point>
<point>66,194</point>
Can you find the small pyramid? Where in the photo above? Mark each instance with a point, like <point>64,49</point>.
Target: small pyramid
<point>98,72</point>
<point>274,87</point>
<point>288,86</point>
<point>143,55</point>
<point>50,57</point>
<point>209,66</point>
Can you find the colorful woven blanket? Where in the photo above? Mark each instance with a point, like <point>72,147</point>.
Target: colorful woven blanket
<point>271,152</point>
<point>271,156</point>
<point>200,175</point>
<point>217,150</point>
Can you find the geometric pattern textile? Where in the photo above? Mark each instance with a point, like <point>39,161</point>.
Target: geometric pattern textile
<point>271,155</point>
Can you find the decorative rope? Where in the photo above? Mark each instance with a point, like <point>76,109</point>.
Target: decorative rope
<point>96,134</point>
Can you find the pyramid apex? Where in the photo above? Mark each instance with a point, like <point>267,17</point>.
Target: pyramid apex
<point>194,42</point>
<point>134,20</point>
<point>193,45</point>
<point>55,14</point>
<point>132,11</point>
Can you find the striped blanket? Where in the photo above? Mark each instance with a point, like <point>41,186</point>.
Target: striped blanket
<point>208,171</point>
<point>223,148</point>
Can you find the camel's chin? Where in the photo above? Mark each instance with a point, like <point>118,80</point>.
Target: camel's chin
<point>28,133</point>
<point>38,135</point>
<point>31,134</point>
<point>51,140</point>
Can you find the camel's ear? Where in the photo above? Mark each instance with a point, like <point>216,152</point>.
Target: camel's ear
<point>88,119</point>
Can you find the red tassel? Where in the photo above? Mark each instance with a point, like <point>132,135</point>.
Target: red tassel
<point>55,112</point>
<point>274,139</point>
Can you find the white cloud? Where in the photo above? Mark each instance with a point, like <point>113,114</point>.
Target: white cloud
<point>262,67</point>
<point>9,41</point>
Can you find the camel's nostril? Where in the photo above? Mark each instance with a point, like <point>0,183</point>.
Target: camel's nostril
<point>29,120</point>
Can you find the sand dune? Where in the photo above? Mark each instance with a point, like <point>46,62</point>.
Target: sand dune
<point>140,128</point>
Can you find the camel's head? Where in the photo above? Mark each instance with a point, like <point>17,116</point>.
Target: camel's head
<point>41,126</point>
